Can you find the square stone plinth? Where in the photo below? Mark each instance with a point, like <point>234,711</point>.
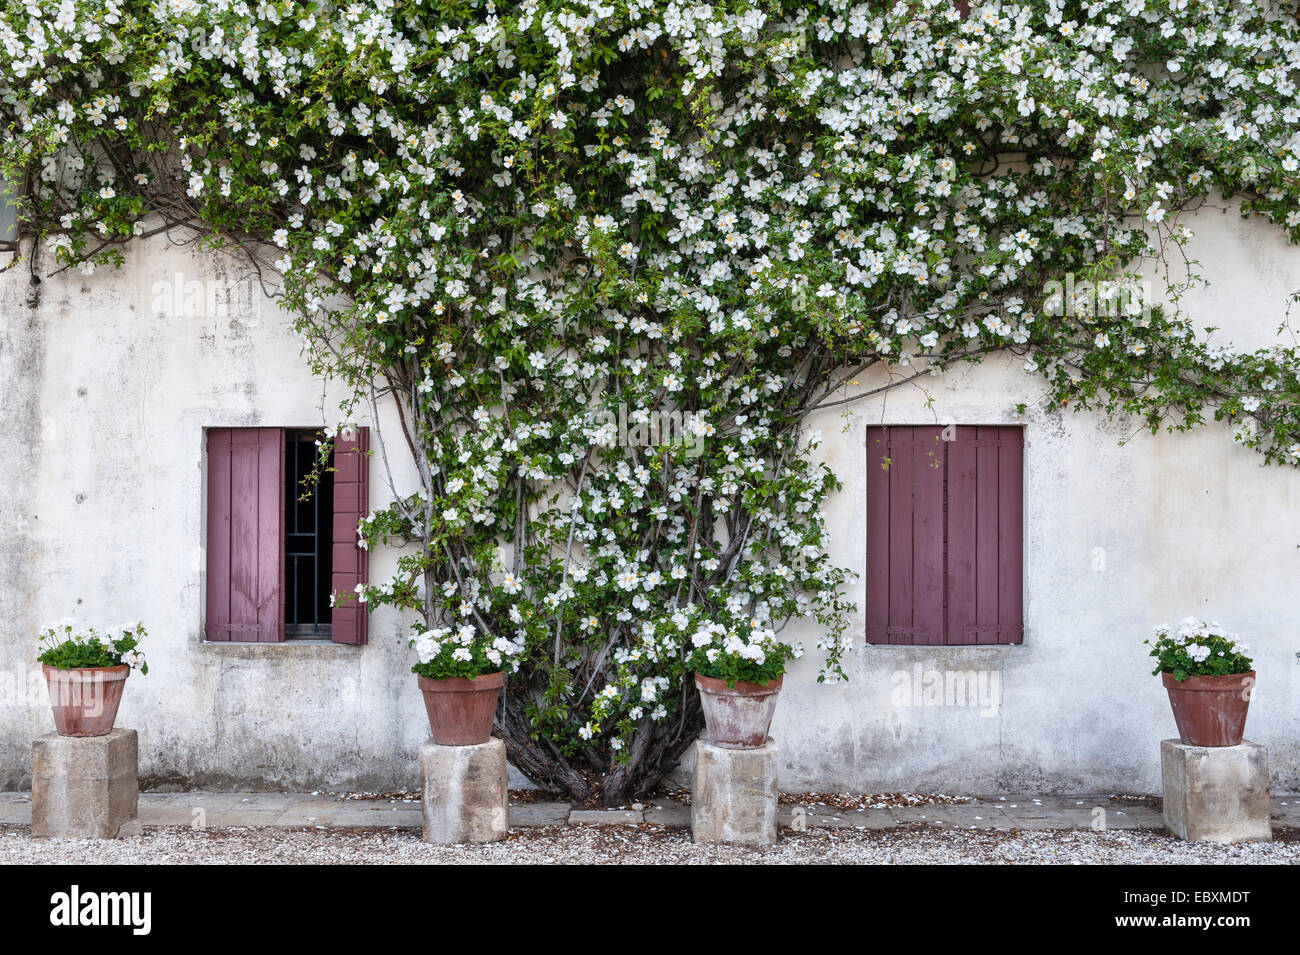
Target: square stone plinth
<point>734,799</point>
<point>465,796</point>
<point>1216,793</point>
<point>84,787</point>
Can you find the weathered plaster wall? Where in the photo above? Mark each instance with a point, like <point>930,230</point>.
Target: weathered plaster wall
<point>22,364</point>
<point>1119,538</point>
<point>105,390</point>
<point>108,383</point>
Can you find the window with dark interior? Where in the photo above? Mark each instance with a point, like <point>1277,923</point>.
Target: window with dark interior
<point>945,547</point>
<point>308,547</point>
<point>277,551</point>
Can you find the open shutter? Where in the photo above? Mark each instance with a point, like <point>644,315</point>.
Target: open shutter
<point>985,535</point>
<point>905,528</point>
<point>245,565</point>
<point>350,561</point>
<point>944,535</point>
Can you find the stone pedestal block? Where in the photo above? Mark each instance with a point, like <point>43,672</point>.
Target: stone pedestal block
<point>1216,793</point>
<point>465,794</point>
<point>84,788</point>
<point>734,799</point>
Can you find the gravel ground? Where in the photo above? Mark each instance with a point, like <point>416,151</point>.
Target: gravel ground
<point>641,844</point>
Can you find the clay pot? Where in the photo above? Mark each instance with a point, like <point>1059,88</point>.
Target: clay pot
<point>461,709</point>
<point>1210,710</point>
<point>737,717</point>
<point>85,699</point>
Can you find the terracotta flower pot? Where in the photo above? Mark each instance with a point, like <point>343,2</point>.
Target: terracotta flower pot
<point>85,700</point>
<point>461,709</point>
<point>1210,710</point>
<point>737,717</point>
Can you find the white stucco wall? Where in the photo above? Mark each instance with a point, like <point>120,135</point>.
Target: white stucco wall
<point>1118,538</point>
<point>101,501</point>
<point>103,402</point>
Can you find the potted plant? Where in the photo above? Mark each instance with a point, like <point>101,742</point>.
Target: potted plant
<point>738,671</point>
<point>1208,675</point>
<point>86,671</point>
<point>461,674</point>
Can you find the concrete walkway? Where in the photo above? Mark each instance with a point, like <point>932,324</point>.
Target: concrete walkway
<point>325,811</point>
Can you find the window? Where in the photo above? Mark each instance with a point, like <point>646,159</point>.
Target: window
<point>944,535</point>
<point>308,546</point>
<point>8,216</point>
<point>273,560</point>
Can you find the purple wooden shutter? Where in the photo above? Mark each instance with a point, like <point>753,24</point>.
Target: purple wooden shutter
<point>350,561</point>
<point>905,585</point>
<point>878,467</point>
<point>985,536</point>
<point>944,535</point>
<point>245,591</point>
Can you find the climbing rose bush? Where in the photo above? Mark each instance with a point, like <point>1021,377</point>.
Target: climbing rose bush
<point>605,258</point>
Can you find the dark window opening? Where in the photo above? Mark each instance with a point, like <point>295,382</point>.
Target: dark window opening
<point>308,510</point>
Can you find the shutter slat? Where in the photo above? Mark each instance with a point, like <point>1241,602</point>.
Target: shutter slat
<point>270,535</point>
<point>963,465</point>
<point>877,577</point>
<point>901,531</point>
<point>928,450</point>
<point>348,621</point>
<point>1011,536</point>
<point>988,568</point>
<point>217,609</point>
<point>245,448</point>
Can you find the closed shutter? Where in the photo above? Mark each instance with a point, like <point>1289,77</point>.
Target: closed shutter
<point>348,619</point>
<point>985,545</point>
<point>904,535</point>
<point>944,539</point>
<point>245,552</point>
